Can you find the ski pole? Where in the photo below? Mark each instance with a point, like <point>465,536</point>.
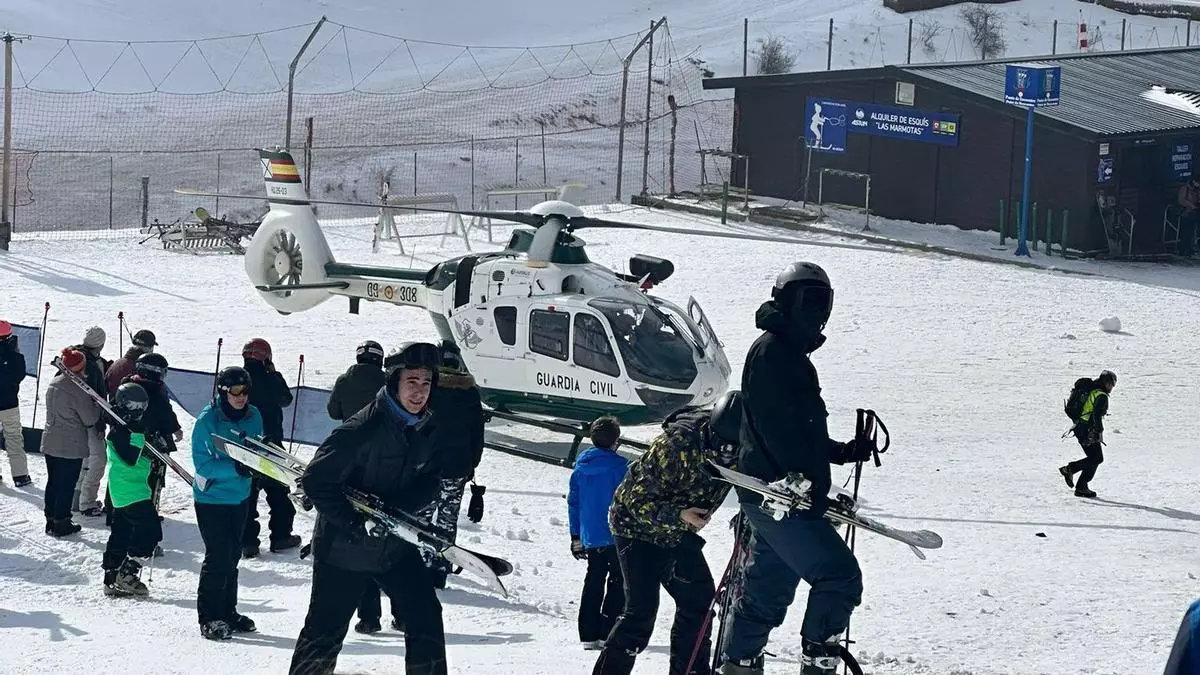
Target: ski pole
<point>37,386</point>
<point>120,332</point>
<point>296,405</point>
<point>217,368</point>
<point>718,596</point>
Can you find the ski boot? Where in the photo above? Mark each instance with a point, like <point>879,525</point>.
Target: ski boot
<point>63,527</point>
<point>367,626</point>
<point>239,623</point>
<point>125,580</point>
<point>823,658</point>
<point>50,526</point>
<point>752,666</point>
<point>22,481</point>
<point>1067,475</point>
<point>250,551</point>
<point>92,512</point>
<point>289,542</point>
<point>216,630</point>
<point>1083,491</point>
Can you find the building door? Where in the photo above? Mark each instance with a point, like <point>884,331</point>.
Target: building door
<point>1142,195</point>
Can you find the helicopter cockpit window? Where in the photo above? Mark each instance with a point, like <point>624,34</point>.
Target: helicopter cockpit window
<point>549,333</point>
<point>506,324</point>
<point>592,348</point>
<point>653,349</point>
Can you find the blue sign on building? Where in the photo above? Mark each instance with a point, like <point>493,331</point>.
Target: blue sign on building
<point>825,125</point>
<point>827,121</point>
<point>1182,162</point>
<point>1032,85</point>
<point>1104,170</point>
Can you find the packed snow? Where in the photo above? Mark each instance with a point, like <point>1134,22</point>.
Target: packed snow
<point>966,361</point>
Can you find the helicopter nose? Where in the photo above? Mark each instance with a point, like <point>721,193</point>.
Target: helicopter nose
<point>711,383</point>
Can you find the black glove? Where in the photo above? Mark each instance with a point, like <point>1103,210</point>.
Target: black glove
<point>818,504</point>
<point>242,470</point>
<point>475,507</point>
<point>577,550</point>
<point>366,528</point>
<point>850,452</point>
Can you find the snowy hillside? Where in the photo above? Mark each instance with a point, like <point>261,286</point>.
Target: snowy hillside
<point>967,362</point>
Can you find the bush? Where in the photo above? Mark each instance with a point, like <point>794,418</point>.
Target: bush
<point>928,31</point>
<point>986,29</point>
<point>773,56</point>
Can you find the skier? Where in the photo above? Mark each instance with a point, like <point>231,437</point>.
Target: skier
<point>665,499</point>
<point>222,502</point>
<point>70,416</point>
<point>87,498</point>
<point>597,473</point>
<point>1089,430</point>
<point>357,387</point>
<point>144,342</point>
<point>135,526</point>
<point>784,435</point>
<point>269,395</point>
<point>385,450</point>
<point>160,424</point>
<point>12,371</point>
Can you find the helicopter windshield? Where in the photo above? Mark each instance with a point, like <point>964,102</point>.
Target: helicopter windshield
<point>654,350</point>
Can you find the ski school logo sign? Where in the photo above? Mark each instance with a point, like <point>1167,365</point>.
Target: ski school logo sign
<point>827,124</point>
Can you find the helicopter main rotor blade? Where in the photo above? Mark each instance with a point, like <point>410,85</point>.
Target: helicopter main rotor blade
<point>586,222</point>
<point>521,217</point>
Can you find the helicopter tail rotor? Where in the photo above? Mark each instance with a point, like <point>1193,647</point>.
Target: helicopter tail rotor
<point>287,256</point>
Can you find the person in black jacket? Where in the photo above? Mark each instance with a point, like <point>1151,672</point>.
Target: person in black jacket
<point>12,371</point>
<point>385,450</point>
<point>1089,431</point>
<point>785,436</point>
<point>270,394</point>
<point>357,387</point>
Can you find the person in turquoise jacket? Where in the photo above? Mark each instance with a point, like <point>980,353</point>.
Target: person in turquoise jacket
<point>597,473</point>
<point>222,502</point>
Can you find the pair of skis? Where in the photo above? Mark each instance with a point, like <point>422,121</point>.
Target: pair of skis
<point>277,463</point>
<point>104,405</point>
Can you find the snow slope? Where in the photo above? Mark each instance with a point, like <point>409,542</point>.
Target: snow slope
<point>967,362</point>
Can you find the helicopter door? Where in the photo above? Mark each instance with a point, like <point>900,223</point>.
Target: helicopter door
<point>462,280</point>
<point>711,343</point>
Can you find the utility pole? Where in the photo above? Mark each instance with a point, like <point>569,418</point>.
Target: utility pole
<point>287,134</point>
<point>6,170</point>
<point>624,95</point>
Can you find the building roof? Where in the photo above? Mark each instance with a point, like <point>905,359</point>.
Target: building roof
<point>1103,94</point>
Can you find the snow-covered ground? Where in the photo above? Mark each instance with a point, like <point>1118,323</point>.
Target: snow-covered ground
<point>967,362</point>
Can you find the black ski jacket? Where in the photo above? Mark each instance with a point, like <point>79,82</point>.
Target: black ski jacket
<point>12,371</point>
<point>784,426</point>
<point>459,437</point>
<point>376,452</point>
<point>270,394</point>
<point>159,421</point>
<point>354,389</point>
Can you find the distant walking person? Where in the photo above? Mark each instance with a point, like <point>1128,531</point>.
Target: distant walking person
<point>1087,406</point>
<point>12,371</point>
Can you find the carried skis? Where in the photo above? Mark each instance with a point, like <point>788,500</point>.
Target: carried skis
<point>100,401</point>
<point>781,502</point>
<point>287,468</point>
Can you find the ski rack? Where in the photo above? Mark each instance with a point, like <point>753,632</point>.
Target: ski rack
<point>158,454</point>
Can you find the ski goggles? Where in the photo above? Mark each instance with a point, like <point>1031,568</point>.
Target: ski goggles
<point>239,390</point>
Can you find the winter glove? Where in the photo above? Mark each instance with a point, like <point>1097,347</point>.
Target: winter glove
<point>178,435</point>
<point>577,550</point>
<point>475,508</point>
<point>242,470</point>
<point>850,452</point>
<point>366,529</point>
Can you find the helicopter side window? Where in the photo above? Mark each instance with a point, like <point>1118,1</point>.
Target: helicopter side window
<point>653,349</point>
<point>549,333</point>
<point>506,324</point>
<point>592,348</point>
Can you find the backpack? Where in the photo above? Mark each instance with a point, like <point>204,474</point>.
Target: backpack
<point>1073,406</point>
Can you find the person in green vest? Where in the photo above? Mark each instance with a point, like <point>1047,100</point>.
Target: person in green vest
<point>135,525</point>
<point>1089,430</point>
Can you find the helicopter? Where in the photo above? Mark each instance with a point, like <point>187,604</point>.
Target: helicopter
<point>544,330</point>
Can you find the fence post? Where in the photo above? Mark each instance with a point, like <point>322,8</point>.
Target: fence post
<point>908,58</point>
<point>1049,231</point>
<point>829,47</point>
<point>746,43</point>
<point>1033,225</point>
<point>308,154</point>
<point>1063,241</point>
<point>1054,42</point>
<point>671,151</point>
<point>1123,23</point>
<point>110,192</point>
<point>724,201</point>
<point>287,134</point>
<point>545,179</point>
<point>472,171</point>
<point>217,205</point>
<point>516,170</point>
<point>1003,221</point>
<point>5,223</point>
<point>649,92</point>
<point>145,201</point>
<point>414,173</point>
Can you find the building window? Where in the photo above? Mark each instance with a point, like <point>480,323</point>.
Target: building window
<point>549,332</point>
<point>506,324</point>
<point>592,348</point>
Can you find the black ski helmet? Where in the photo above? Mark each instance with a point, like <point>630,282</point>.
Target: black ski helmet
<point>370,352</point>
<point>1107,377</point>
<point>802,291</point>
<point>151,366</point>
<point>725,420</point>
<point>231,377</point>
<point>130,402</point>
<point>452,356</point>
<point>145,339</point>
<point>411,355</point>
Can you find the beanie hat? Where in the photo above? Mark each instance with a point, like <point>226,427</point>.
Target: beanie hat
<point>5,328</point>
<point>94,338</point>
<point>72,358</point>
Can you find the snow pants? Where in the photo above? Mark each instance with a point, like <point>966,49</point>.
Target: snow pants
<point>88,489</point>
<point>135,531</point>
<point>683,572</point>
<point>283,512</point>
<point>335,594</point>
<point>781,554</point>
<point>14,441</point>
<point>603,597</point>
<point>61,476</point>
<point>221,529</point>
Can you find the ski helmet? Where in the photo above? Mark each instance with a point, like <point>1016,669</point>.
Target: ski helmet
<point>151,366</point>
<point>145,339</point>
<point>369,351</point>
<point>1107,377</point>
<point>411,355</point>
<point>803,293</point>
<point>231,378</point>
<point>130,402</point>
<point>257,349</point>
<point>725,420</point>
<point>452,357</point>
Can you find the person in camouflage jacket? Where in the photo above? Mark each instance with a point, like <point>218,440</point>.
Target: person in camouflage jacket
<point>665,499</point>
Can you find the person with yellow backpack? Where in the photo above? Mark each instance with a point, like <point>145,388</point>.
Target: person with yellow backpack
<point>1087,406</point>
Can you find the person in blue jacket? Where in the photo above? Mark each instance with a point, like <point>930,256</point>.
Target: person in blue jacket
<point>597,473</point>
<point>1185,653</point>
<point>222,503</point>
